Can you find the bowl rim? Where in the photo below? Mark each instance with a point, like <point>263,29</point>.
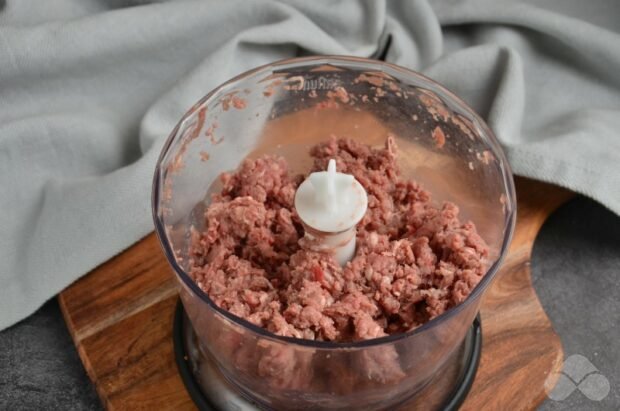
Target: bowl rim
<point>507,176</point>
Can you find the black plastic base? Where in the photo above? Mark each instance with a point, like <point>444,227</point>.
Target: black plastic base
<point>454,401</point>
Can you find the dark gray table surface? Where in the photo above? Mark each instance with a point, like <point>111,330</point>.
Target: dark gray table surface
<point>576,272</point>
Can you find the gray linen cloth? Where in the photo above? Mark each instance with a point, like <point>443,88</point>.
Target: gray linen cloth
<point>89,90</point>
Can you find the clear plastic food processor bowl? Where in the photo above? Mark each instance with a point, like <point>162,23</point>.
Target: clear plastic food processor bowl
<point>285,108</point>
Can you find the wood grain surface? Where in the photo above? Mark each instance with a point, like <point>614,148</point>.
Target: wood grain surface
<point>120,318</point>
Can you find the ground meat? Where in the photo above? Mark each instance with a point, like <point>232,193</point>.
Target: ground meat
<point>414,259</point>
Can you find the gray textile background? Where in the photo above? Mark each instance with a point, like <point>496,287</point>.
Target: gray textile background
<point>89,89</point>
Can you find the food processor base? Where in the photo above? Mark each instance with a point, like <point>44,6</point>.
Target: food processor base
<point>210,390</point>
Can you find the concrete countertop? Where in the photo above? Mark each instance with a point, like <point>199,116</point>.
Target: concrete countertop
<point>576,272</point>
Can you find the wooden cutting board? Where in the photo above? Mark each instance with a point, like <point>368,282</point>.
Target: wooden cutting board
<point>120,318</point>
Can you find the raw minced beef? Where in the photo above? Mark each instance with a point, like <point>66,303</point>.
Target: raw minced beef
<point>414,259</point>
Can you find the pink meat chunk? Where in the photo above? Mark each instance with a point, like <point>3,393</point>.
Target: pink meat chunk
<point>414,259</point>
